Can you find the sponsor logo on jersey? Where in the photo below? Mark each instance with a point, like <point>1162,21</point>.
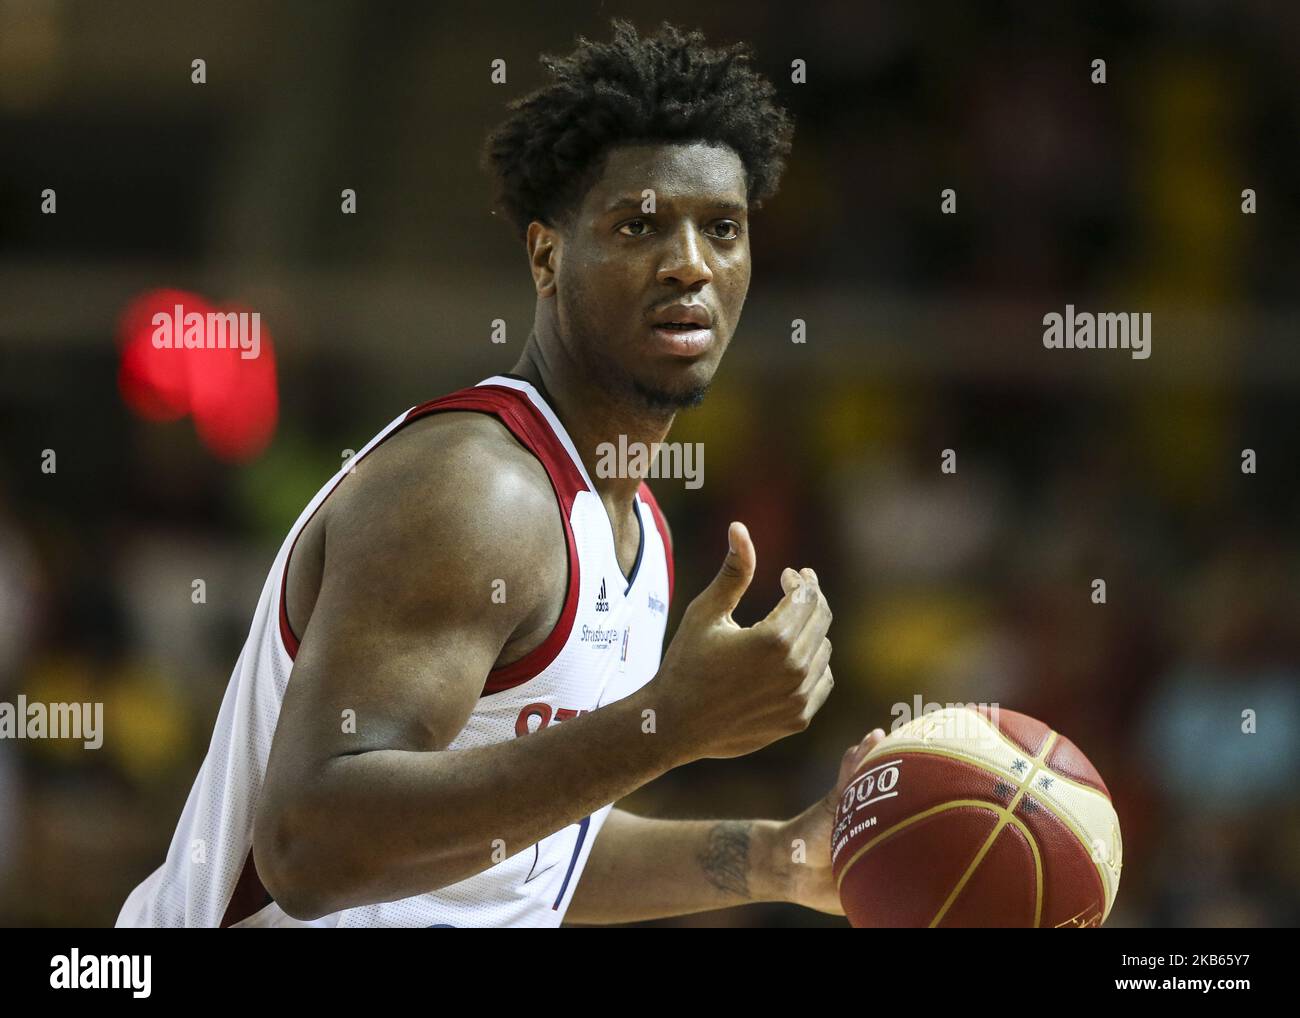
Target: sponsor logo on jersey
<point>599,638</point>
<point>656,605</point>
<point>602,603</point>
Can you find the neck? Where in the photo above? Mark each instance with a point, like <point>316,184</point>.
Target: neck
<point>592,416</point>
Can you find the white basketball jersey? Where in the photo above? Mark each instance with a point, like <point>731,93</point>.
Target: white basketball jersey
<point>606,645</point>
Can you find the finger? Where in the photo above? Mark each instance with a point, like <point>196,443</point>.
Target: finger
<point>820,662</point>
<point>869,742</point>
<point>848,764</point>
<point>814,630</point>
<point>814,675</point>
<point>819,694</point>
<point>793,611</point>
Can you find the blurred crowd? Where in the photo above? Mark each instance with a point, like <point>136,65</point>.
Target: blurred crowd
<point>974,586</point>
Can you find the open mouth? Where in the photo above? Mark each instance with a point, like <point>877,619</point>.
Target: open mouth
<point>683,339</point>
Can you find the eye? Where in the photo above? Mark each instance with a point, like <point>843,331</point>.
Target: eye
<point>634,222</point>
<point>732,225</point>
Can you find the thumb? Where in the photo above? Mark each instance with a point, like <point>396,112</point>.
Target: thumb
<point>855,754</point>
<point>863,749</point>
<point>722,595</point>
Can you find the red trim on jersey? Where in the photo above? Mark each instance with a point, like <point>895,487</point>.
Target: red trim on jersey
<point>287,636</point>
<point>517,412</point>
<point>661,524</point>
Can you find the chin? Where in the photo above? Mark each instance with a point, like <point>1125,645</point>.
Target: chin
<point>657,386</point>
<point>680,397</point>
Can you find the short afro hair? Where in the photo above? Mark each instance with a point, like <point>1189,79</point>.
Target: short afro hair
<point>668,88</point>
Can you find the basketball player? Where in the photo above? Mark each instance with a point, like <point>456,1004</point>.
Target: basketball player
<point>454,669</point>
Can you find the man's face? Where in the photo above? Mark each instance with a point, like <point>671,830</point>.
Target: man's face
<point>622,270</point>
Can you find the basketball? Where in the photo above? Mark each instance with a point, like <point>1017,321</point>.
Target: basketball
<point>976,816</point>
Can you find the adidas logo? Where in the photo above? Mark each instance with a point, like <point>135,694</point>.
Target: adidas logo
<point>602,602</point>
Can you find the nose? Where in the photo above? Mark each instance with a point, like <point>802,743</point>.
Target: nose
<point>684,264</point>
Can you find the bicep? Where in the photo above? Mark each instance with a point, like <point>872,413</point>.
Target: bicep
<point>370,676</point>
<point>406,627</point>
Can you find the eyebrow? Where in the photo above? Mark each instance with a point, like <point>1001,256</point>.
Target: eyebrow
<point>635,203</point>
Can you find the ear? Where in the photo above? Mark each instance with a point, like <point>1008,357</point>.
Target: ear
<point>544,244</point>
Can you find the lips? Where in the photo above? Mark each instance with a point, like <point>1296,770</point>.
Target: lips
<point>683,316</point>
<point>683,329</point>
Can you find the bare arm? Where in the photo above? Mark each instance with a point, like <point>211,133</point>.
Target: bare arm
<point>401,638</point>
<point>642,868</point>
<point>404,632</point>
<point>387,824</point>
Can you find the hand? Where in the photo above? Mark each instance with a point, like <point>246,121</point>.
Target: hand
<point>810,883</point>
<point>723,690</point>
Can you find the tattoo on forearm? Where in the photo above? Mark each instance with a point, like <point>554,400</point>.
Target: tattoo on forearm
<point>725,857</point>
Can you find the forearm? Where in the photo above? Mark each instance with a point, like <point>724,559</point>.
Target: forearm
<point>388,824</point>
<point>642,868</point>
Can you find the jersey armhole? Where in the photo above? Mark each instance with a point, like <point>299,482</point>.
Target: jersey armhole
<point>531,432</point>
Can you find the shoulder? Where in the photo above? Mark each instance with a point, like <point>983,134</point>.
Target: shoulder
<point>451,496</point>
<point>455,466</point>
